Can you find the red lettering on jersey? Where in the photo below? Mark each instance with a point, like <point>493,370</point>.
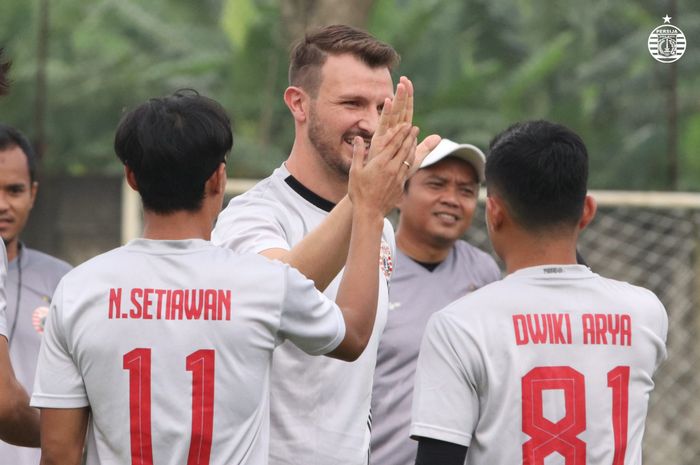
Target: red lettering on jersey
<point>193,305</point>
<point>210,304</point>
<point>625,330</point>
<point>115,303</point>
<point>176,307</point>
<point>136,311</point>
<point>159,303</point>
<point>547,328</point>
<point>147,302</point>
<point>224,300</point>
<point>519,329</point>
<point>606,328</point>
<point>538,332</point>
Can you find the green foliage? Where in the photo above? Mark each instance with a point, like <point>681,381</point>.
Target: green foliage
<point>477,65</point>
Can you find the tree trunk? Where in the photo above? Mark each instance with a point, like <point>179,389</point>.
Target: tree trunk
<point>298,16</point>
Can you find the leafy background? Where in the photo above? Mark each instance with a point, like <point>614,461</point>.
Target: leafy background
<point>478,66</point>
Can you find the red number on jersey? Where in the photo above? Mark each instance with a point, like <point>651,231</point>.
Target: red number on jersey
<point>138,362</point>
<point>548,437</point>
<point>201,364</point>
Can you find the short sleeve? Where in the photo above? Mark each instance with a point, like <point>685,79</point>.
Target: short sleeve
<point>58,382</point>
<point>309,319</point>
<point>445,401</point>
<point>250,225</point>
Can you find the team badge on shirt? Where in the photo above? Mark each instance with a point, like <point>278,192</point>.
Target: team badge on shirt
<point>39,318</point>
<point>386,262</point>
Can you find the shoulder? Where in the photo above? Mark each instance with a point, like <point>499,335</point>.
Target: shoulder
<point>476,259</point>
<point>47,262</point>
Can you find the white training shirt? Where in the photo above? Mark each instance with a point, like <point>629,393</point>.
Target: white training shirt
<point>169,343</point>
<point>3,301</point>
<point>551,362</point>
<point>319,406</point>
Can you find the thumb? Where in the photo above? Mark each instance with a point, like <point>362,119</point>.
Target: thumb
<point>425,147</point>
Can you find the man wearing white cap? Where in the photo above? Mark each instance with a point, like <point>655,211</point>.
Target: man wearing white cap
<point>433,268</point>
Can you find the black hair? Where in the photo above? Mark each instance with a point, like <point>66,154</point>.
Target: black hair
<point>10,138</point>
<point>540,170</point>
<point>173,145</point>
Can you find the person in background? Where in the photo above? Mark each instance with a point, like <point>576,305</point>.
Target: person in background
<point>32,276</point>
<point>553,362</point>
<point>433,267</point>
<point>19,423</point>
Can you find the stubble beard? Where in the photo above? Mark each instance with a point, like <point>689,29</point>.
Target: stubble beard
<point>328,150</point>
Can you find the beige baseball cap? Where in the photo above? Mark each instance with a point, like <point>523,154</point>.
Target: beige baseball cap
<point>467,152</point>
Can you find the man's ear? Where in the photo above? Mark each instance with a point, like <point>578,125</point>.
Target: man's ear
<point>296,100</point>
<point>216,184</point>
<point>589,209</point>
<point>131,178</point>
<point>495,212</point>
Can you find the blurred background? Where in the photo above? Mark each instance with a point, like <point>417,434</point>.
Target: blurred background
<point>477,66</point>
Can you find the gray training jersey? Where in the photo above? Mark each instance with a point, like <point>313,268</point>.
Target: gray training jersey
<point>3,276</point>
<point>416,293</point>
<point>40,274</point>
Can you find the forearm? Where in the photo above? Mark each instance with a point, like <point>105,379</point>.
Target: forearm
<point>19,423</point>
<point>358,291</point>
<point>322,253</point>
<point>63,435</point>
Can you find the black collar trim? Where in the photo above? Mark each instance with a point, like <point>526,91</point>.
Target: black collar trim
<point>309,195</point>
<point>428,266</point>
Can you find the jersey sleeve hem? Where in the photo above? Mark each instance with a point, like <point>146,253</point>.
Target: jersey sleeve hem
<point>340,335</point>
<point>442,434</point>
<point>52,401</point>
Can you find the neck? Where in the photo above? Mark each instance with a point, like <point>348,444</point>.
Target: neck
<point>176,226</point>
<point>305,164</point>
<point>12,249</point>
<point>527,250</point>
<point>422,251</point>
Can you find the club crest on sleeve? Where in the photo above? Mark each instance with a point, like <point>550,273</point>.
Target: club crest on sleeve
<point>386,262</point>
<point>39,318</point>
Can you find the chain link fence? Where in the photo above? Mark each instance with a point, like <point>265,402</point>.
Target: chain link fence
<point>653,240</point>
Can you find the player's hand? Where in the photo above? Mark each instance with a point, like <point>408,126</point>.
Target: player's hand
<point>422,150</point>
<point>376,185</point>
<point>395,112</point>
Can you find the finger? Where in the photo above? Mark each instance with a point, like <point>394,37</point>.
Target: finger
<point>406,154</point>
<point>383,124</point>
<point>407,115</point>
<point>379,144</point>
<point>393,144</point>
<point>428,145</point>
<point>397,105</point>
<point>359,154</point>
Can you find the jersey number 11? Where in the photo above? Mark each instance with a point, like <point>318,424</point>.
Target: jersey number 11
<point>201,364</point>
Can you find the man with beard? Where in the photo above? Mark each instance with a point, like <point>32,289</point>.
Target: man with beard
<point>341,98</point>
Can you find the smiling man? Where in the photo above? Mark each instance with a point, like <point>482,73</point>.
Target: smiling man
<point>341,98</point>
<point>433,268</point>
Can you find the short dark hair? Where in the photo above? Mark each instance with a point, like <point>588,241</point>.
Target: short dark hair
<point>4,71</point>
<point>173,145</point>
<point>10,138</point>
<point>540,170</point>
<point>309,54</point>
